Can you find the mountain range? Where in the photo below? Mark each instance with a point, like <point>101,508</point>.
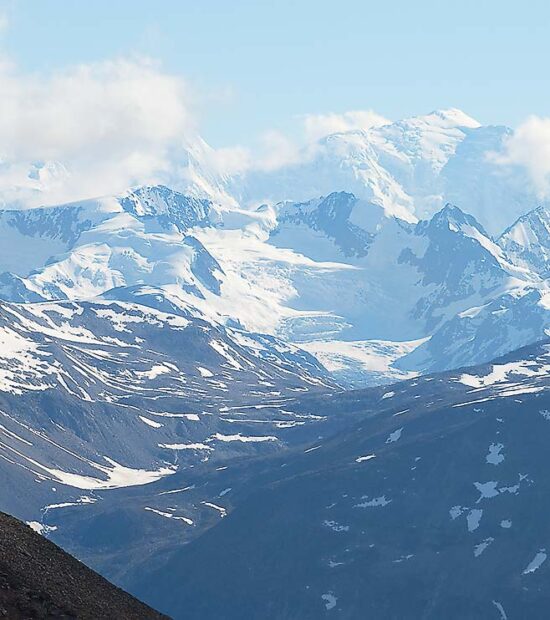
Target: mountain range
<point>173,357</point>
<point>408,169</point>
<point>431,504</point>
<point>371,299</point>
<point>393,500</point>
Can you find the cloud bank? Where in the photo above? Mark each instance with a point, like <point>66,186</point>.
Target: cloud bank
<point>317,126</point>
<point>110,125</point>
<point>276,149</point>
<point>98,128</point>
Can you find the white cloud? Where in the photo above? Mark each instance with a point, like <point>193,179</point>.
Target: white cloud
<point>529,148</point>
<point>111,124</point>
<point>317,126</point>
<point>274,150</point>
<point>119,105</point>
<point>227,160</point>
<point>277,149</point>
<point>95,129</point>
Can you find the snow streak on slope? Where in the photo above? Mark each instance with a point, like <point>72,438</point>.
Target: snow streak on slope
<point>101,395</point>
<point>436,476</point>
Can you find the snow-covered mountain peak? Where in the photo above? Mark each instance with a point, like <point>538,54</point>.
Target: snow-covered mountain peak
<point>453,218</point>
<point>169,206</point>
<point>334,206</point>
<point>522,230</point>
<point>453,230</point>
<point>80,250</point>
<point>339,218</point>
<point>451,226</point>
<point>427,141</point>
<point>410,168</point>
<point>528,240</point>
<point>451,117</point>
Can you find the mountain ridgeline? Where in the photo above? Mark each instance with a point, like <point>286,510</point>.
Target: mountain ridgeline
<point>370,297</point>
<point>316,391</point>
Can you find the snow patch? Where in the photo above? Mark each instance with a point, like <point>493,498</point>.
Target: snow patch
<point>536,562</point>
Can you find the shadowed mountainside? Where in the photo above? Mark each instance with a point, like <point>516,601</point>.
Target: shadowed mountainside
<point>39,580</point>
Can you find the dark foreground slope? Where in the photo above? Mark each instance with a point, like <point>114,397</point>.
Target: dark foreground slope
<point>435,505</point>
<point>39,580</point>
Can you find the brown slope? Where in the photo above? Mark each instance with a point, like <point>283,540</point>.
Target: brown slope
<point>40,580</point>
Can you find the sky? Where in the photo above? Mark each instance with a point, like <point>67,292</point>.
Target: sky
<point>98,96</point>
<point>257,65</point>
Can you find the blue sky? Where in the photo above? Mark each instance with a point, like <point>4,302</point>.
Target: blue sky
<point>260,65</point>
